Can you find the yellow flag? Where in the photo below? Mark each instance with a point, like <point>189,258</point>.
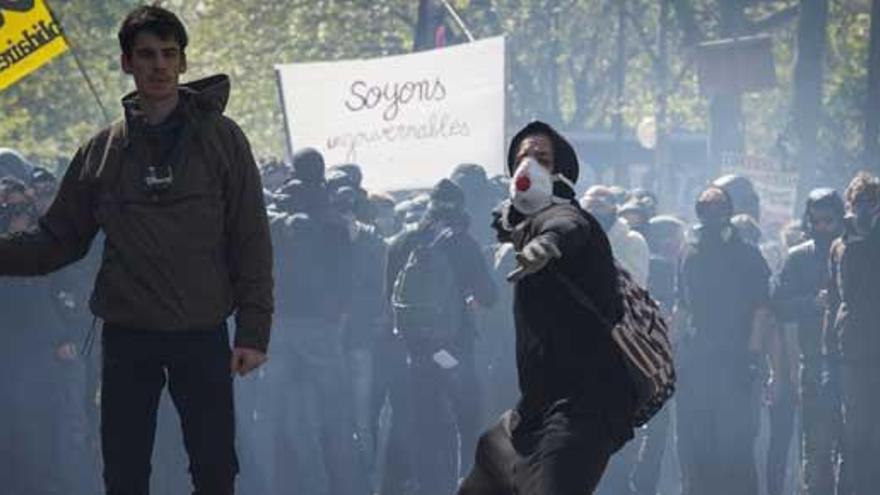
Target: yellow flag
<point>29,37</point>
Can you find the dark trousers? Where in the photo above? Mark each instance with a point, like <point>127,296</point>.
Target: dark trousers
<point>636,468</point>
<point>654,438</point>
<point>312,412</point>
<point>821,444</point>
<point>392,383</point>
<point>446,415</point>
<point>137,364</point>
<point>565,453</point>
<point>861,429</point>
<point>718,414</point>
<point>782,421</point>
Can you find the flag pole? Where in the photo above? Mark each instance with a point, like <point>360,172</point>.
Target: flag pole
<point>458,20</point>
<point>79,65</point>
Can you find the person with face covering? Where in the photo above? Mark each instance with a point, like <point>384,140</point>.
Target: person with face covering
<point>40,414</point>
<point>629,247</point>
<point>576,400</point>
<point>799,299</point>
<point>723,289</point>
<point>442,367</point>
<point>851,334</point>
<point>314,427</point>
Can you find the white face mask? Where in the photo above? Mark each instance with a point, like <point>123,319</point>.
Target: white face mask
<point>531,189</point>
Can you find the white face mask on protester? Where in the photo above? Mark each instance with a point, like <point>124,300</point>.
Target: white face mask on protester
<point>531,188</point>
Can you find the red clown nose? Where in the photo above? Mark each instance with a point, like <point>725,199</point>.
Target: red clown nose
<point>523,183</point>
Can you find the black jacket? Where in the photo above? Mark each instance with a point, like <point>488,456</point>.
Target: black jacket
<point>803,276</point>
<point>563,351</point>
<point>313,261</point>
<point>854,280</point>
<point>467,260</point>
<point>722,285</point>
<point>186,259</point>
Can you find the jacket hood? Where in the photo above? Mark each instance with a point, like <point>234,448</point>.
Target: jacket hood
<point>203,96</point>
<point>564,154</point>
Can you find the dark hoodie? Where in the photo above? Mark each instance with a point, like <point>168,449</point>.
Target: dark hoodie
<point>564,353</point>
<point>803,276</point>
<point>182,259</point>
<point>851,326</point>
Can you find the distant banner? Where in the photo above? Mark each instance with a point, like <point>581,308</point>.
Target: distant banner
<point>408,119</point>
<point>775,185</point>
<point>29,38</point>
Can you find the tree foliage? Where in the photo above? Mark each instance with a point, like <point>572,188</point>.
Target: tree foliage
<point>562,61</point>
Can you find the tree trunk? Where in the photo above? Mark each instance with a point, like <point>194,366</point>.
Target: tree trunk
<point>872,109</point>
<point>661,98</point>
<point>726,134</point>
<point>621,169</point>
<point>430,16</point>
<point>807,104</point>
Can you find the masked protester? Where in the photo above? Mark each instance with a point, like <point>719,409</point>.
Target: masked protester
<point>436,278</point>
<point>175,188</point>
<point>723,291</point>
<point>638,210</point>
<point>851,332</point>
<point>368,319</point>
<point>386,220</point>
<point>44,185</point>
<point>479,199</point>
<point>666,237</point>
<point>315,276</point>
<point>800,299</point>
<point>12,164</point>
<point>629,247</point>
<point>576,398</point>
<point>42,414</point>
<point>274,174</point>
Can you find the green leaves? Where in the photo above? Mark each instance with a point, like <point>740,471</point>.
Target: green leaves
<point>561,63</point>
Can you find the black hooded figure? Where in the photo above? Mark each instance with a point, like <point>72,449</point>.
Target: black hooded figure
<point>576,399</point>
<point>442,370</point>
<point>799,300</point>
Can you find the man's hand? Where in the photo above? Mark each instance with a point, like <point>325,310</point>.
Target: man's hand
<point>245,360</point>
<point>533,258</point>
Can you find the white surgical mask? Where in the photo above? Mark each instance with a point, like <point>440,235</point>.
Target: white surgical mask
<point>531,189</point>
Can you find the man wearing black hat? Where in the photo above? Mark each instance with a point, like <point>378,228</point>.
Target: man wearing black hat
<point>576,398</point>
<point>441,349</point>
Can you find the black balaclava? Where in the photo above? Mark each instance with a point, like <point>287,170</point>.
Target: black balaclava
<point>446,206</point>
<point>308,166</point>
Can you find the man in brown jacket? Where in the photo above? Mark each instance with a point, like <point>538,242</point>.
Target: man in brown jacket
<point>175,190</point>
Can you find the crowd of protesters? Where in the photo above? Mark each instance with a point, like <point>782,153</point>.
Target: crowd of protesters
<point>350,405</point>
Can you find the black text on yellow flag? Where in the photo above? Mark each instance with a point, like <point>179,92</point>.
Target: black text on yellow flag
<point>29,38</point>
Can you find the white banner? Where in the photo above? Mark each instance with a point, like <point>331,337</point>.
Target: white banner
<point>407,120</point>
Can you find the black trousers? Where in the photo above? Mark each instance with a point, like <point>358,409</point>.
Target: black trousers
<point>565,453</point>
<point>137,364</point>
<point>446,415</point>
<point>861,430</point>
